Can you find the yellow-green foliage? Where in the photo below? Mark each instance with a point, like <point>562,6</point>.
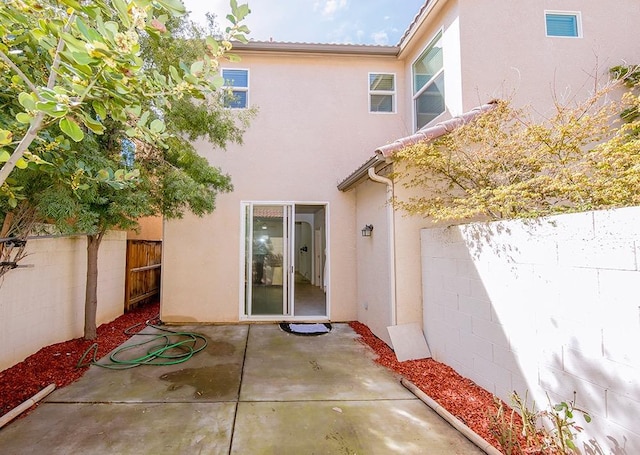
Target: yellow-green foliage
<point>504,164</point>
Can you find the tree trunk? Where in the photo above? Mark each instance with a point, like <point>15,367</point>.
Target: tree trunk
<point>91,295</point>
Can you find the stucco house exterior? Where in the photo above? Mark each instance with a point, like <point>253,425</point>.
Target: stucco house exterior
<point>289,243</point>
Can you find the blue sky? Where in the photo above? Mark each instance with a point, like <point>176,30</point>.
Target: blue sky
<point>319,21</point>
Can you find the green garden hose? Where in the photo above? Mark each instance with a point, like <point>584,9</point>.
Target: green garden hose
<point>168,348</point>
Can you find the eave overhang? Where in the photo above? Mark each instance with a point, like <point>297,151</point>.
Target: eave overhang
<point>383,153</point>
<point>316,48</point>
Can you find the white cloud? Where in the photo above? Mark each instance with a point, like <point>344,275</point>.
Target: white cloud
<point>328,8</point>
<point>319,21</point>
<point>380,38</point>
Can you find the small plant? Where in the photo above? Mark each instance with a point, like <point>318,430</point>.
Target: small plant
<point>503,428</point>
<point>561,436</point>
<point>524,431</point>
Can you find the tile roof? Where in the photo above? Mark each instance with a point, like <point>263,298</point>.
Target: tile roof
<point>322,48</point>
<point>425,134</point>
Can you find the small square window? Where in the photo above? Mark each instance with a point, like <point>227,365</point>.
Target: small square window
<point>236,88</point>
<point>562,24</point>
<point>382,92</point>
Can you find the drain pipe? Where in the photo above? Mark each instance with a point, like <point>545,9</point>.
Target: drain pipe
<point>392,240</point>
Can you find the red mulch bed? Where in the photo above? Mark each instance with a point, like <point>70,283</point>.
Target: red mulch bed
<point>458,395</point>
<point>57,363</point>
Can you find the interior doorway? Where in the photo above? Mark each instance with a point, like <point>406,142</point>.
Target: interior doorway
<point>285,260</point>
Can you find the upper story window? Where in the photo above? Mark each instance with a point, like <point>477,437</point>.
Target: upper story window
<point>565,24</point>
<point>237,88</point>
<point>428,83</point>
<point>382,92</point>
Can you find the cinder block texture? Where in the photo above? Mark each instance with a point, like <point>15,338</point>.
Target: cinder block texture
<point>548,305</point>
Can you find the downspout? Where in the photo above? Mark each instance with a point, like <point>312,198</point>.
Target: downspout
<point>392,240</point>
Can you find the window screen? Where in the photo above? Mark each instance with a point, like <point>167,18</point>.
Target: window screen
<point>382,92</point>
<point>562,24</point>
<point>236,95</point>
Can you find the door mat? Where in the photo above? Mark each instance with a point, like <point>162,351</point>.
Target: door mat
<point>305,329</point>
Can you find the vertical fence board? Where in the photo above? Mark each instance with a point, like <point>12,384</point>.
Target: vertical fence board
<point>144,268</point>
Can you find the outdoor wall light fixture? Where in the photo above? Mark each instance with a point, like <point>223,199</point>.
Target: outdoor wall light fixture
<point>366,231</point>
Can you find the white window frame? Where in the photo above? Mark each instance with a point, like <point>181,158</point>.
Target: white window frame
<point>392,93</point>
<point>243,316</point>
<point>575,14</point>
<point>234,88</point>
<point>439,35</point>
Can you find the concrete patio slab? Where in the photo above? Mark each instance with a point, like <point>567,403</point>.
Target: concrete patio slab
<point>345,427</point>
<point>280,366</point>
<point>211,375</point>
<point>125,428</point>
<point>255,390</point>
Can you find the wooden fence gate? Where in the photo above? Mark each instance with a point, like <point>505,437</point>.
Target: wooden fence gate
<point>144,265</point>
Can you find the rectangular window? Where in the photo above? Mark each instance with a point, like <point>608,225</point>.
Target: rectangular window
<point>236,87</point>
<point>428,83</point>
<point>382,92</point>
<point>562,24</point>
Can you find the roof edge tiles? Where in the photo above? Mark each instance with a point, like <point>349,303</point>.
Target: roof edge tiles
<point>359,173</point>
<point>433,132</point>
<point>317,48</point>
<point>423,135</point>
<point>414,23</point>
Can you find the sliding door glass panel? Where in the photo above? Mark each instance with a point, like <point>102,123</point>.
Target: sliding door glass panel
<point>268,262</point>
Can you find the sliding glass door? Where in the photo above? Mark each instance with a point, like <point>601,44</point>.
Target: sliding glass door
<point>283,252</point>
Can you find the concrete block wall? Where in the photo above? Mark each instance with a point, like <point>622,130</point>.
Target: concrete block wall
<point>548,306</point>
<point>43,304</point>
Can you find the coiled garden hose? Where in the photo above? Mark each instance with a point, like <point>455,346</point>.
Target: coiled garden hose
<point>168,348</point>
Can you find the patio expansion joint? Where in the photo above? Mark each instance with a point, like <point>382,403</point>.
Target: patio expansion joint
<point>330,400</point>
<point>237,400</point>
<point>140,402</point>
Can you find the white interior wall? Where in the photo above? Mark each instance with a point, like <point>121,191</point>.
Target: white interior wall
<point>43,304</point>
<point>549,306</point>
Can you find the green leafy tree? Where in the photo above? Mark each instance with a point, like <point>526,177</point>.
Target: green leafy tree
<point>77,64</point>
<point>139,161</point>
<point>506,164</point>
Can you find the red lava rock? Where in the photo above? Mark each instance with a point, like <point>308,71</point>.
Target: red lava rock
<point>460,396</point>
<point>57,363</point>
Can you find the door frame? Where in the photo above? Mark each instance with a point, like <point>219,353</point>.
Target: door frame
<point>243,316</point>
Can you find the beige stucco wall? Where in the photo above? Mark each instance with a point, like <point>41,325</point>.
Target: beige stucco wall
<point>482,52</point>
<point>494,49</point>
<point>374,268</point>
<point>150,229</point>
<point>382,303</point>
<point>313,128</point>
<point>43,303</point>
<point>523,62</point>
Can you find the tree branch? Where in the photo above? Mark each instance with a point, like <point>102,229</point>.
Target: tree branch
<point>19,72</point>
<point>56,59</point>
<point>22,147</point>
<point>36,123</point>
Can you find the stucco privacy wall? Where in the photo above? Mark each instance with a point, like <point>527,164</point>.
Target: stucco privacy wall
<point>548,306</point>
<point>44,303</point>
